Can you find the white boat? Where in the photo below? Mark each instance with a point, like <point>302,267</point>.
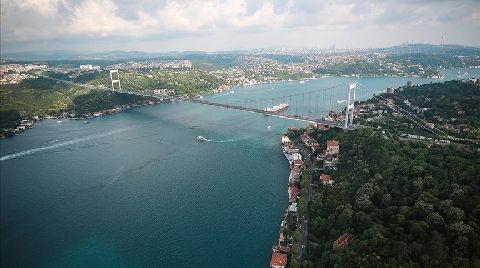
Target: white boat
<point>277,108</point>
<point>85,122</point>
<point>302,82</point>
<point>59,121</point>
<point>201,138</point>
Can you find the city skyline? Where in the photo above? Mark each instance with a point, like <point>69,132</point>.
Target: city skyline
<point>105,25</point>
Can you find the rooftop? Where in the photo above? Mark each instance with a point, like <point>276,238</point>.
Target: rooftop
<point>325,177</point>
<point>332,143</point>
<point>278,259</point>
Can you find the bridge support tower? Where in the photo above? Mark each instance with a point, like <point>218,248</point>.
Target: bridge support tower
<point>350,105</point>
<point>115,78</point>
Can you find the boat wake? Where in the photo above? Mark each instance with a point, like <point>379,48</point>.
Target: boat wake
<point>224,141</point>
<point>58,145</point>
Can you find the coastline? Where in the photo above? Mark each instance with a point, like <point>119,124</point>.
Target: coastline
<point>283,251</point>
<point>30,121</point>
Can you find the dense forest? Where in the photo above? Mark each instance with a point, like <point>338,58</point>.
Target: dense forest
<point>452,99</point>
<point>97,100</point>
<point>404,203</point>
<point>452,107</point>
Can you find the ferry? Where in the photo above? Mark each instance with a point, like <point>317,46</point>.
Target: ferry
<point>277,108</point>
<point>201,138</point>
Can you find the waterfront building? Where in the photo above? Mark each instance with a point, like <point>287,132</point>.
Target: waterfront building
<point>295,174</point>
<point>293,193</point>
<point>292,209</point>
<point>281,249</point>
<point>279,260</point>
<point>286,140</point>
<point>298,163</point>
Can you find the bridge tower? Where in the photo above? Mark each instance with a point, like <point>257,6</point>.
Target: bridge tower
<point>115,78</point>
<point>350,105</point>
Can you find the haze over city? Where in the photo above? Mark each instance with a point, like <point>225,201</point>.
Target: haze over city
<point>159,26</point>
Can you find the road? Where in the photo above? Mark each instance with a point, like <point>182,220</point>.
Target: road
<point>304,226</point>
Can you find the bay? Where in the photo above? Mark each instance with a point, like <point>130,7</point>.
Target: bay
<point>136,189</point>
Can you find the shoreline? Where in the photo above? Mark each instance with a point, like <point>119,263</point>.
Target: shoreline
<point>282,252</point>
<point>29,122</point>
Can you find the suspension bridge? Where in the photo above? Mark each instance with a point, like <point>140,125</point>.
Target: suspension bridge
<point>311,107</point>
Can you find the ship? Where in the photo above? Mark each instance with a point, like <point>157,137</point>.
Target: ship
<point>276,108</point>
<point>201,138</point>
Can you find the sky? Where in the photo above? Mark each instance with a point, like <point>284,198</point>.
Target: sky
<point>213,25</point>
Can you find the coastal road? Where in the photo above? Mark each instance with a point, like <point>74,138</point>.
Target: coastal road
<point>303,238</point>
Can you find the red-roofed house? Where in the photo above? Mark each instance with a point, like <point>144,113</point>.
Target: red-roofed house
<point>343,241</point>
<point>292,193</point>
<point>279,260</point>
<point>297,163</point>
<point>333,147</point>
<point>326,179</point>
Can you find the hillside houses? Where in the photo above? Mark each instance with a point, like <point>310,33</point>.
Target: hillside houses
<point>333,147</point>
<point>329,156</point>
<point>309,142</point>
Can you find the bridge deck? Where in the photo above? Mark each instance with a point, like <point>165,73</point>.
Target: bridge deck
<point>246,109</point>
<point>280,115</point>
<point>224,105</point>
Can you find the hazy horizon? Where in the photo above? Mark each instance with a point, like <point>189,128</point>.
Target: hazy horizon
<point>214,25</point>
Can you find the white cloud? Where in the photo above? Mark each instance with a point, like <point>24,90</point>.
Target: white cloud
<point>63,20</point>
<point>43,7</point>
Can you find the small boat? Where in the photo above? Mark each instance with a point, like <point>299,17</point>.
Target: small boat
<point>232,91</point>
<point>86,122</point>
<point>59,121</point>
<point>302,82</point>
<point>201,138</point>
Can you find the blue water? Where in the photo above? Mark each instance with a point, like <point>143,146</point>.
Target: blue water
<point>136,189</point>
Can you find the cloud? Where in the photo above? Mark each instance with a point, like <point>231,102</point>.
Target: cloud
<point>31,21</point>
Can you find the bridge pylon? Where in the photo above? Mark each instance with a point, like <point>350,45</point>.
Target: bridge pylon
<point>115,79</point>
<point>350,108</point>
